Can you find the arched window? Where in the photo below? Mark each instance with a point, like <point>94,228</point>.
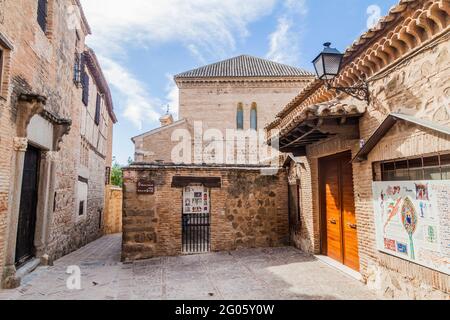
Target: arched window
<point>240,117</point>
<point>254,117</point>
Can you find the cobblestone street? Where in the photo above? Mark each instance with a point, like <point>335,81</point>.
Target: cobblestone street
<point>272,273</point>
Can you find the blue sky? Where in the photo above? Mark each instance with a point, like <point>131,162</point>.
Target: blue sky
<point>142,44</point>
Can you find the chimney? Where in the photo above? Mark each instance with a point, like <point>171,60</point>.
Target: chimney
<point>166,120</point>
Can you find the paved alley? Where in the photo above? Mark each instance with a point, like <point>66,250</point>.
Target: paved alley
<point>270,273</point>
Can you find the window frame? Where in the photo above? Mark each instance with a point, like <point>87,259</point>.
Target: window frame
<point>77,73</point>
<point>6,48</point>
<point>82,199</point>
<point>240,117</point>
<point>254,113</point>
<point>385,170</point>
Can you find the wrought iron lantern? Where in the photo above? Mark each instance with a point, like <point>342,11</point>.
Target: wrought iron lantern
<point>328,65</point>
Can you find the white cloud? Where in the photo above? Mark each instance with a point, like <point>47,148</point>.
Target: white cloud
<point>210,25</point>
<point>284,42</point>
<point>296,7</point>
<point>172,95</point>
<point>206,28</point>
<point>138,105</point>
<point>195,52</point>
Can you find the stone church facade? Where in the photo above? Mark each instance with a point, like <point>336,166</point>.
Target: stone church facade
<point>56,124</point>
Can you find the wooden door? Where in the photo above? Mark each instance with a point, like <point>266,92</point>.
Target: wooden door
<point>339,230</point>
<point>28,202</point>
<point>350,234</point>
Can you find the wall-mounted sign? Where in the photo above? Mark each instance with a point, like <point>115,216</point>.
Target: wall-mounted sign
<point>413,221</point>
<point>145,186</point>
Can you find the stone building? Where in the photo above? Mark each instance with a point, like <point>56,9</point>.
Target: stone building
<point>56,123</point>
<point>203,203</point>
<point>236,207</point>
<point>241,93</point>
<point>348,159</point>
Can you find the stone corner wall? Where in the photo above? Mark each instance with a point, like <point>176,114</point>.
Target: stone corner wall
<point>249,210</point>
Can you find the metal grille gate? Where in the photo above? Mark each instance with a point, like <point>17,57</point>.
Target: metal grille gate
<point>196,221</point>
<point>196,233</point>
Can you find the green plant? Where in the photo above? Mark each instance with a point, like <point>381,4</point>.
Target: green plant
<point>116,174</point>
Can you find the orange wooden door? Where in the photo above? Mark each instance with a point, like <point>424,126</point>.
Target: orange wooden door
<point>330,173</point>
<point>338,210</point>
<point>349,227</point>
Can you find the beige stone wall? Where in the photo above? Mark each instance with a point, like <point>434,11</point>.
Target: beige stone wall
<point>157,145</point>
<point>250,210</point>
<point>417,86</point>
<point>43,63</point>
<point>214,104</point>
<point>113,210</point>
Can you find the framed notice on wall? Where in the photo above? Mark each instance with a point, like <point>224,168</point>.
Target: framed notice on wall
<point>413,221</point>
<point>196,199</point>
<point>144,186</point>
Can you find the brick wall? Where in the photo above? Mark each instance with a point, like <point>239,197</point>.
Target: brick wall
<point>113,210</point>
<point>43,63</point>
<point>215,104</point>
<point>416,87</point>
<point>157,145</point>
<point>249,210</point>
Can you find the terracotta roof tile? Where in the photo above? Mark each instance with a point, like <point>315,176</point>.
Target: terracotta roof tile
<point>244,66</point>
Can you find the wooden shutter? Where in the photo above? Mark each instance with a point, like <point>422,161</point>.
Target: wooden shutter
<point>97,109</point>
<point>42,14</point>
<point>85,80</point>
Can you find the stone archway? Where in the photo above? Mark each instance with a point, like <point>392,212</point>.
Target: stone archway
<point>46,131</point>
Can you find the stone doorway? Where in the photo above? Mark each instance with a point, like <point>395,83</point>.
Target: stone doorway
<point>25,249</point>
<point>339,235</point>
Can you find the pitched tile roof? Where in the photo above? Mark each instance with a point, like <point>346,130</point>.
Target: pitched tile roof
<point>244,66</point>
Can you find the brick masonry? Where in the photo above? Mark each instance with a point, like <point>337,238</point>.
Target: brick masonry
<point>249,210</point>
<point>220,98</point>
<point>416,86</point>
<point>113,210</point>
<point>43,63</point>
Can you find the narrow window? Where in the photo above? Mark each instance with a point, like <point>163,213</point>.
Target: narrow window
<point>254,117</point>
<point>77,70</point>
<point>42,14</point>
<point>240,117</point>
<point>81,208</point>
<point>98,105</point>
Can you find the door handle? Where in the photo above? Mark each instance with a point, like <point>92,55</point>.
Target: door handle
<point>353,226</point>
<point>333,221</point>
